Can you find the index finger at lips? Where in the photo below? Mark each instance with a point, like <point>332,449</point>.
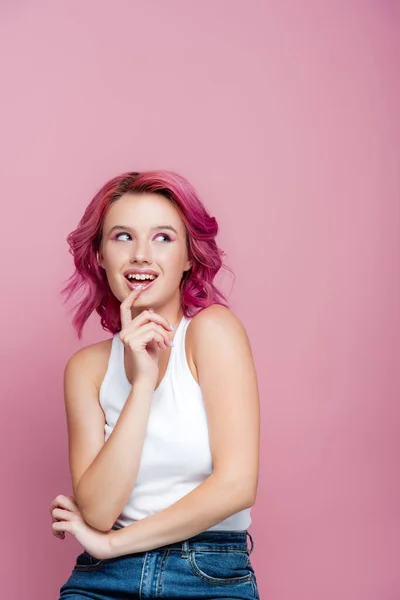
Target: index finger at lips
<point>125,308</point>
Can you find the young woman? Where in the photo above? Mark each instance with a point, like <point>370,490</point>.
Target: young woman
<point>163,418</point>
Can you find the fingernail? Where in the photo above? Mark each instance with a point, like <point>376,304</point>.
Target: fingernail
<point>171,327</point>
<point>171,343</point>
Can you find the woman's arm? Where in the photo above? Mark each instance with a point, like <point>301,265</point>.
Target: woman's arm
<point>103,473</point>
<point>226,373</point>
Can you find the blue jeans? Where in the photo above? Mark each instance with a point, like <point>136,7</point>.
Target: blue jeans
<point>213,564</point>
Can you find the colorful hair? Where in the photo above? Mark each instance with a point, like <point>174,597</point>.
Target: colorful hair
<point>89,280</point>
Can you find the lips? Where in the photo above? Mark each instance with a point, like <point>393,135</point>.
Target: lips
<point>136,284</point>
<point>140,272</point>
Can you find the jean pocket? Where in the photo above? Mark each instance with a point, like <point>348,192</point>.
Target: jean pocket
<point>87,562</point>
<point>221,566</point>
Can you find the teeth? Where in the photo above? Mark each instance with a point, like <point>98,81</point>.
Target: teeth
<point>140,277</point>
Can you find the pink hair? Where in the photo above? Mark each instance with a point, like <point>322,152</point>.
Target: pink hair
<point>89,279</point>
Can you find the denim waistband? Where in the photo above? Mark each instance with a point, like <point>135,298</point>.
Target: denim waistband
<point>235,540</point>
<point>215,540</point>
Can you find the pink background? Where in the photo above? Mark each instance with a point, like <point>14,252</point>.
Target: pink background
<point>284,115</point>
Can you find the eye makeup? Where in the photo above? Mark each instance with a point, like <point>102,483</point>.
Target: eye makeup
<point>157,228</point>
<point>116,236</point>
<point>167,237</point>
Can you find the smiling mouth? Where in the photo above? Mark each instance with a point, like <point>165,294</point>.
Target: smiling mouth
<point>136,283</point>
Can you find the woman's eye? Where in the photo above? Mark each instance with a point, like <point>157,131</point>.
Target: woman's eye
<point>164,237</point>
<point>117,237</point>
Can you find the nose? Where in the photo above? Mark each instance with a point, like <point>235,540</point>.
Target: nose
<point>141,252</point>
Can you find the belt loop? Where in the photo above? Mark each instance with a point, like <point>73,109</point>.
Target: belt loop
<point>252,542</point>
<point>185,549</point>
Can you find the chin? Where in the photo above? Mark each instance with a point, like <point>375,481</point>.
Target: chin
<point>142,302</point>
<point>147,299</point>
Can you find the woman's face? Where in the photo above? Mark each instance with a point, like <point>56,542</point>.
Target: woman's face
<point>144,232</point>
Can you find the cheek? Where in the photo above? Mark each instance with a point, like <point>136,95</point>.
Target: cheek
<point>115,255</point>
<point>173,264</point>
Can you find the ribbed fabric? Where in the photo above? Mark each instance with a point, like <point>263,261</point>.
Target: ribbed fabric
<point>176,455</point>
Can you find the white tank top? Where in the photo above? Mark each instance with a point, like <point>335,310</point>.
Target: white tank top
<point>176,454</point>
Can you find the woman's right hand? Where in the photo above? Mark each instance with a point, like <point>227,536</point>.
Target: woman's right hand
<point>143,337</point>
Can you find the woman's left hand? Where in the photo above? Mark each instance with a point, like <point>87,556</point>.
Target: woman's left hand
<point>69,519</point>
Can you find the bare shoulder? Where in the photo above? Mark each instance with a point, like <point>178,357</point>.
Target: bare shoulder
<point>90,361</point>
<point>216,319</point>
<point>216,329</point>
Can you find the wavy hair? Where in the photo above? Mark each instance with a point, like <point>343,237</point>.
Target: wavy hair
<point>89,285</point>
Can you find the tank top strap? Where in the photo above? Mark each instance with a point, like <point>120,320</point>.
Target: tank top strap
<point>179,360</point>
<point>180,336</point>
<point>115,365</point>
<point>116,360</point>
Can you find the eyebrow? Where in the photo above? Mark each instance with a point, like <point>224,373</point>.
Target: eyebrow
<point>125,227</point>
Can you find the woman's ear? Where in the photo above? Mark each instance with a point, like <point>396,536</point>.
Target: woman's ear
<point>188,266</point>
<point>99,259</point>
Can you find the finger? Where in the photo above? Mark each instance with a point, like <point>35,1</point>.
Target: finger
<point>64,502</point>
<point>161,345</point>
<point>153,336</point>
<point>62,526</point>
<point>145,334</point>
<point>125,308</point>
<point>148,316</point>
<point>60,513</point>
<point>69,502</point>
<point>59,534</point>
<point>138,341</point>
<point>159,341</point>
